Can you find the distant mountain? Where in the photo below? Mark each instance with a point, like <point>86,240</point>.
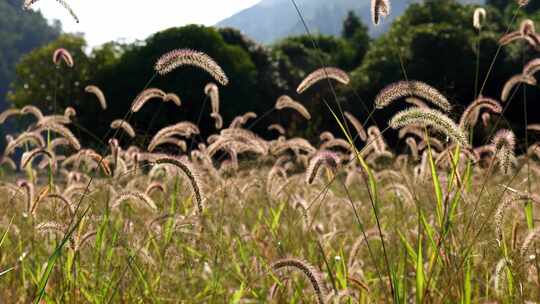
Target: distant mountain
<point>270,20</point>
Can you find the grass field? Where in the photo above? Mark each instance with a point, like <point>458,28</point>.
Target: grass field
<point>236,218</point>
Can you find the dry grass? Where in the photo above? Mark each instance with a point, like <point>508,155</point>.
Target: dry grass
<point>225,221</point>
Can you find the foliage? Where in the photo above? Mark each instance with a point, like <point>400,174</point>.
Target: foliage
<point>39,80</point>
<point>20,32</point>
<point>135,69</point>
<point>434,42</point>
<point>437,222</point>
<point>356,33</point>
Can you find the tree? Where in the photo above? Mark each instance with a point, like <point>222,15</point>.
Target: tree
<point>435,42</point>
<point>502,5</point>
<point>269,82</point>
<point>350,25</point>
<point>20,32</point>
<point>123,71</point>
<point>134,71</point>
<point>48,86</point>
<point>297,57</point>
<point>356,33</point>
<point>52,87</point>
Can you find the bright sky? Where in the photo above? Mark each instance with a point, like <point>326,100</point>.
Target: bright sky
<point>106,20</point>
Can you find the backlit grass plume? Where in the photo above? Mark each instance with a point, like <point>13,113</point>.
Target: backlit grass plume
<point>171,97</point>
<point>531,237</point>
<point>184,129</point>
<point>27,157</point>
<point>25,138</point>
<point>478,17</point>
<point>432,118</point>
<point>327,159</point>
<point>277,127</point>
<point>512,197</point>
<point>218,120</point>
<point>152,93</point>
<point>513,81</point>
<point>212,91</point>
<point>504,143</point>
<point>534,127</point>
<point>181,144</point>
<point>357,126</point>
<point>192,176</point>
<point>56,119</point>
<point>145,96</point>
<point>522,3</point>
<point>64,55</point>
<point>402,89</point>
<point>526,32</point>
<point>124,125</point>
<point>65,132</point>
<point>527,27</point>
<point>99,94</point>
<point>379,9</point>
<point>472,112</point>
<point>181,57</point>
<point>312,274</point>
<point>136,195</point>
<point>486,117</point>
<point>33,110</point>
<point>285,101</point>
<point>8,113</point>
<point>531,67</point>
<point>320,74</point>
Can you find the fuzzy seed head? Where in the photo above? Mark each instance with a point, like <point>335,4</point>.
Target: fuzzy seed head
<point>324,158</point>
<point>379,9</point>
<point>62,54</point>
<point>285,101</point>
<point>432,118</point>
<point>99,94</point>
<point>320,74</point>
<point>504,143</point>
<point>402,89</point>
<point>181,57</point>
<point>311,273</point>
<point>478,17</point>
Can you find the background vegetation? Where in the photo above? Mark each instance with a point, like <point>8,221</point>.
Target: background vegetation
<point>433,41</point>
<point>431,221</point>
<point>20,32</point>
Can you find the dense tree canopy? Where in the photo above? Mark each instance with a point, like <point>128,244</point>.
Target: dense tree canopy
<point>433,41</point>
<point>20,32</point>
<point>356,33</point>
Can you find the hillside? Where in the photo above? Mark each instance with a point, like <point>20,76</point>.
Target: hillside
<point>271,20</point>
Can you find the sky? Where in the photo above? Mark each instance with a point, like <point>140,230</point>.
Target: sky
<point>105,20</point>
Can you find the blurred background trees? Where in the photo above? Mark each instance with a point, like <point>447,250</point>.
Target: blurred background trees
<point>433,41</point>
<point>20,32</point>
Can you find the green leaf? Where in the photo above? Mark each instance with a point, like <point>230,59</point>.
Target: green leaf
<point>420,278</point>
<point>237,296</point>
<point>436,183</point>
<point>408,247</point>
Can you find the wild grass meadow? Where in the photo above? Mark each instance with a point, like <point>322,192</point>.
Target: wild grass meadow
<point>431,217</point>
